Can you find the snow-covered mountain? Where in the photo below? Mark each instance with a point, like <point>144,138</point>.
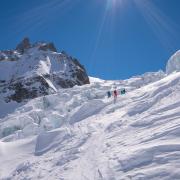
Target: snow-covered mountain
<point>78,133</point>
<point>33,70</point>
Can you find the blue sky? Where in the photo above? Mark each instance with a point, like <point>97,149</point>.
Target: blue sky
<point>113,39</point>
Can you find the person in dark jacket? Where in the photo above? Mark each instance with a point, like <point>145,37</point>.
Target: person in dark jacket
<point>123,91</point>
<point>109,94</point>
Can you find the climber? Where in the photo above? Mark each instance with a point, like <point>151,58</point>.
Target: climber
<point>109,94</point>
<point>123,91</point>
<point>115,95</point>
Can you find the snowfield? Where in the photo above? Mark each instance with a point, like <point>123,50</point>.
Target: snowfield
<point>80,134</point>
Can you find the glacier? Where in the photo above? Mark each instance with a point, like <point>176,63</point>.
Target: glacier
<point>78,133</point>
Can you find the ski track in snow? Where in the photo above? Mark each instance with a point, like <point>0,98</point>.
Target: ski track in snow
<point>87,137</point>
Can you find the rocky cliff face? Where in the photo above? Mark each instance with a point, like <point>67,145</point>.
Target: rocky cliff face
<point>33,70</point>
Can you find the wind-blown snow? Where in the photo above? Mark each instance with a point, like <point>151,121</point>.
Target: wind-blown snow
<point>79,134</point>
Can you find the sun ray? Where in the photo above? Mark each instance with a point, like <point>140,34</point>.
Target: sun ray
<point>39,15</point>
<point>163,27</point>
<point>110,9</point>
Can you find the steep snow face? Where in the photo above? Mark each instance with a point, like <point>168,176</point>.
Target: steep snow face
<point>8,59</point>
<point>79,133</point>
<point>173,63</point>
<point>36,62</point>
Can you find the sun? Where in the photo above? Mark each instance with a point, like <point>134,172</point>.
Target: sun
<point>112,4</point>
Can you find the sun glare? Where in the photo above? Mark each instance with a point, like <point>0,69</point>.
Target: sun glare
<point>111,4</point>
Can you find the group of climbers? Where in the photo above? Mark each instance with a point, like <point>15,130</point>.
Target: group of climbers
<point>115,94</point>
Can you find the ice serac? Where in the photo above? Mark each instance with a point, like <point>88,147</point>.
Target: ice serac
<point>173,63</point>
<point>79,133</point>
<point>33,70</point>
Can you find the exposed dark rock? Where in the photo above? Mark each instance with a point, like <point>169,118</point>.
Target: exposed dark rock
<point>8,55</point>
<point>64,53</point>
<point>78,64</point>
<point>81,73</point>
<point>24,89</point>
<point>48,46</point>
<point>22,46</point>
<point>82,77</point>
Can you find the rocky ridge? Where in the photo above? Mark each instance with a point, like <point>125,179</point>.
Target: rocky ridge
<point>33,70</point>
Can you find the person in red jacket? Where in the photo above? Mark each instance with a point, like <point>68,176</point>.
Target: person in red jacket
<point>115,94</point>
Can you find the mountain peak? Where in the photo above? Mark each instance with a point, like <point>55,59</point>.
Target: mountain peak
<point>44,46</point>
<point>23,45</point>
<point>34,70</point>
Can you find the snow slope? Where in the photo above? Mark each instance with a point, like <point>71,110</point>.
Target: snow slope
<point>79,134</point>
<point>173,63</point>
